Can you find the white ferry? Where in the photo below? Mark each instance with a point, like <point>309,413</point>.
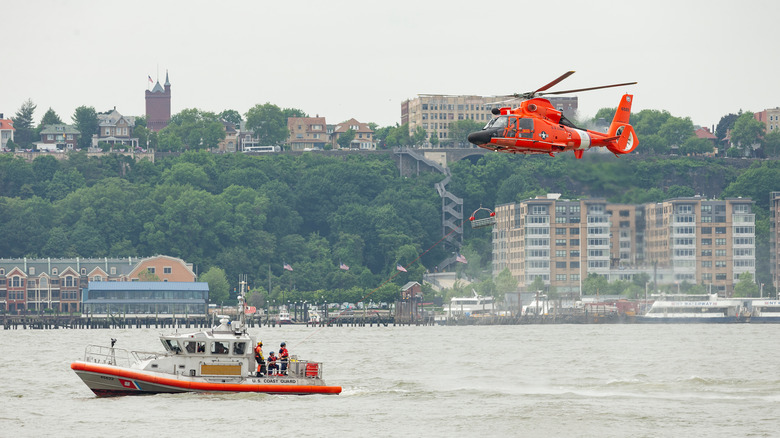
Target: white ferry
<point>682,308</point>
<point>473,306</point>
<point>764,310</point>
<point>220,359</point>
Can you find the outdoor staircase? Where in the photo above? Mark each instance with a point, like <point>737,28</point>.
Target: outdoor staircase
<point>451,205</point>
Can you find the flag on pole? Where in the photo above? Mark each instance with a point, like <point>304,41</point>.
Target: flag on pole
<point>343,266</point>
<point>400,268</point>
<point>461,259</point>
<point>287,267</point>
<point>150,79</point>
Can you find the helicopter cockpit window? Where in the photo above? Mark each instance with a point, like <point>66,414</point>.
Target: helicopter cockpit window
<point>498,122</point>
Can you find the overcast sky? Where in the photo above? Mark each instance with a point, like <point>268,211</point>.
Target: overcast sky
<point>341,59</point>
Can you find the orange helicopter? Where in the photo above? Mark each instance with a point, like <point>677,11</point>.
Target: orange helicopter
<point>536,127</point>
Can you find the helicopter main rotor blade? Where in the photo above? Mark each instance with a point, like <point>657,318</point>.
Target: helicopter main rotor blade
<point>587,89</point>
<point>551,84</point>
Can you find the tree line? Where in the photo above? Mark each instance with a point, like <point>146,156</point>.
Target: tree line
<point>196,129</point>
<point>250,215</point>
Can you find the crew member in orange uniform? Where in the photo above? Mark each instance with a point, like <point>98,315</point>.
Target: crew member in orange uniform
<point>260,359</point>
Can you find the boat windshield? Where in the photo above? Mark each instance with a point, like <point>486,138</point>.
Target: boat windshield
<point>172,346</point>
<point>193,347</point>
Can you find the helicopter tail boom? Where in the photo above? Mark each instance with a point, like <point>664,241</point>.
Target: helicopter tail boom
<point>622,115</point>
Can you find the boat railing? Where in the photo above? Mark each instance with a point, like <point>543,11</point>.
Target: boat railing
<point>145,355</point>
<point>107,355</point>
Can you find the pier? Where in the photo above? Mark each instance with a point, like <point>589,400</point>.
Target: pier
<point>68,321</point>
<point>358,319</point>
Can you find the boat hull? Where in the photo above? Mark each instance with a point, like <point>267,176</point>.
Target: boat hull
<point>690,320</point>
<point>110,380</point>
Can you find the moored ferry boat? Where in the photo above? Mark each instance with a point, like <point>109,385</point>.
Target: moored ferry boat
<point>220,359</point>
<point>681,308</point>
<point>764,310</point>
<point>473,306</point>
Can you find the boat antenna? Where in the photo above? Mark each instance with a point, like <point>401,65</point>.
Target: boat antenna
<point>241,302</point>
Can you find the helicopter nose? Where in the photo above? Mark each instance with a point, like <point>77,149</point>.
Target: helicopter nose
<point>480,137</point>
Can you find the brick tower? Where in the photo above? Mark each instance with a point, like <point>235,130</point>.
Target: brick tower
<point>158,105</point>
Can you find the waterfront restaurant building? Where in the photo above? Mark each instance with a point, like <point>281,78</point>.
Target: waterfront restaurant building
<point>146,298</point>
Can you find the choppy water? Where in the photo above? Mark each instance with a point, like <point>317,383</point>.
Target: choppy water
<point>536,381</point>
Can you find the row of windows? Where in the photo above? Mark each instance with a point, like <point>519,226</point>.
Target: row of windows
<point>17,281</point>
<point>563,208</point>
<point>147,295</point>
<point>146,308</point>
<point>708,263</point>
<point>65,295</point>
<point>460,106</point>
<point>451,116</point>
<point>112,271</point>
<point>50,137</point>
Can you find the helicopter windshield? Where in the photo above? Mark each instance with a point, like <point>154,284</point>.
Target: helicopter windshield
<point>498,122</point>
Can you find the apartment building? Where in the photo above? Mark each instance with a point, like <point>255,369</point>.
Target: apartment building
<point>710,242</point>
<point>692,240</point>
<point>434,113</point>
<point>774,237</point>
<point>558,240</point>
<point>770,118</point>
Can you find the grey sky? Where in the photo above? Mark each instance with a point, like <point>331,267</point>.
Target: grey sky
<point>345,58</point>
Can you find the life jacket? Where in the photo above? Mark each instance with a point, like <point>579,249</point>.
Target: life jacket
<point>283,354</point>
<point>259,353</point>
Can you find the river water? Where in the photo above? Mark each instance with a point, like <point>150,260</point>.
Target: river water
<point>531,380</point>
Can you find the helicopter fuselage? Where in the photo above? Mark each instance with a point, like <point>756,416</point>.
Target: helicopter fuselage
<point>536,127</point>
